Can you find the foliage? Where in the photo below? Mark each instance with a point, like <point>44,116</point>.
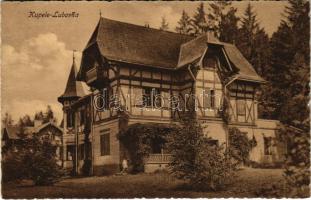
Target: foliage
<point>195,159</point>
<point>290,64</point>
<point>164,24</point>
<point>297,166</point>
<point>297,170</point>
<point>184,24</point>
<point>199,22</point>
<point>239,145</point>
<point>12,168</point>
<point>7,120</point>
<point>31,158</point>
<point>138,138</point>
<point>46,116</point>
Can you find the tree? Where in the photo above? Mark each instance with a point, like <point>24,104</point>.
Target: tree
<point>289,71</point>
<point>25,121</point>
<point>49,116</point>
<point>228,26</point>
<point>164,24</point>
<point>7,120</point>
<point>40,162</point>
<point>216,15</point>
<point>196,159</point>
<point>184,24</point>
<point>199,22</point>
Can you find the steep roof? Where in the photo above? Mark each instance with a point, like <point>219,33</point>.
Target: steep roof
<point>245,69</point>
<point>129,43</point>
<point>135,44</point>
<point>73,88</point>
<point>14,130</point>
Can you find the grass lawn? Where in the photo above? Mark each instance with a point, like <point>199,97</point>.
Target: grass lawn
<point>141,185</point>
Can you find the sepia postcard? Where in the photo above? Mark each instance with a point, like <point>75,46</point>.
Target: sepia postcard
<point>170,99</point>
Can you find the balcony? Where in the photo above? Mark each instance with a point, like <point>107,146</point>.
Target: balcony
<point>96,77</point>
<point>158,159</point>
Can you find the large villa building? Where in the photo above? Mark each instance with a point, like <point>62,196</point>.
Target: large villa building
<point>129,66</point>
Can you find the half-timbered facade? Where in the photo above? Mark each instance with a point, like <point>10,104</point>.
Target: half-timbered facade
<point>156,76</point>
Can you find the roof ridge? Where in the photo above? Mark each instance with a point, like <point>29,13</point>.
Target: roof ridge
<point>159,30</point>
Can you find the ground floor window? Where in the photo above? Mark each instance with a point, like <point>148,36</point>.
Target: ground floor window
<point>105,144</point>
<point>268,145</point>
<point>70,152</point>
<point>81,152</point>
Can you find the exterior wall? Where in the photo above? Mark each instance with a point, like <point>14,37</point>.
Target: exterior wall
<point>263,128</point>
<point>216,130</point>
<point>107,164</point>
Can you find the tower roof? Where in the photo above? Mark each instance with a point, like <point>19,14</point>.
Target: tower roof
<point>74,88</point>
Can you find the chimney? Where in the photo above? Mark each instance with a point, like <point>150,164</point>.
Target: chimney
<point>38,122</point>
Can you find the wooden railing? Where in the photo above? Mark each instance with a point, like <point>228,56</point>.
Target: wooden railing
<point>159,158</point>
<point>91,75</point>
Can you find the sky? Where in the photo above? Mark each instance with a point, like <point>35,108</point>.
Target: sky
<point>37,52</point>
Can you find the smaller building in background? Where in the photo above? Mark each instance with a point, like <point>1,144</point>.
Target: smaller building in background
<point>11,135</point>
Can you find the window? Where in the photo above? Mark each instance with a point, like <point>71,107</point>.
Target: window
<point>81,152</point>
<point>268,145</point>
<point>209,99</point>
<point>241,107</point>
<point>70,119</point>
<point>151,97</point>
<point>70,152</point>
<point>105,144</point>
<point>82,117</point>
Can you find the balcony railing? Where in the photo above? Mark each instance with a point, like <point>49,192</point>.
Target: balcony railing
<point>96,75</point>
<point>158,158</point>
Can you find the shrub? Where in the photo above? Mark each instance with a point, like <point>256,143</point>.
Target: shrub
<point>240,146</point>
<point>12,168</point>
<point>40,162</point>
<point>35,160</point>
<point>204,166</point>
<point>297,165</point>
<point>137,140</point>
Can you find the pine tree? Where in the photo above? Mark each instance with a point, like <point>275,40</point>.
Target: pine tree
<point>184,24</point>
<point>216,15</point>
<point>228,26</point>
<point>199,22</point>
<point>247,32</point>
<point>7,120</point>
<point>289,71</point>
<point>164,24</point>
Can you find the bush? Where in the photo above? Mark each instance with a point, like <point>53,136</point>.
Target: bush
<point>12,168</point>
<point>240,146</point>
<point>137,140</point>
<point>35,160</point>
<point>297,165</point>
<point>41,164</point>
<point>195,159</point>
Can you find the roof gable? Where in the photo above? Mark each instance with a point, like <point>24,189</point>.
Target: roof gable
<point>129,43</point>
<point>137,44</point>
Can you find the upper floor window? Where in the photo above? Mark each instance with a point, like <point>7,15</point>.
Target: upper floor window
<point>151,97</point>
<point>209,99</point>
<point>241,109</point>
<point>209,62</point>
<point>82,116</point>
<point>70,119</point>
